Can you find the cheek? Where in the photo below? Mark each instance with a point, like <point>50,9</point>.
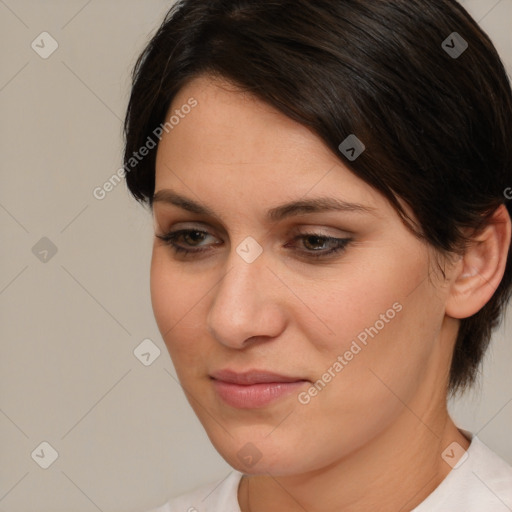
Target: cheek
<point>366,302</point>
<point>171,296</point>
<point>387,352</point>
<point>374,379</point>
<point>385,320</point>
<point>177,300</point>
<point>162,300</point>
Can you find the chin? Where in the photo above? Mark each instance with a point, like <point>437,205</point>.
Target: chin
<point>254,452</point>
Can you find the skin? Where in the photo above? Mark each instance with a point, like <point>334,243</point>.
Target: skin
<point>372,439</point>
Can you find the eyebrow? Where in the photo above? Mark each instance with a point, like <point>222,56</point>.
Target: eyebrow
<point>276,214</point>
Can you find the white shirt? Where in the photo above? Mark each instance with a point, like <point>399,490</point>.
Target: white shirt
<point>480,482</point>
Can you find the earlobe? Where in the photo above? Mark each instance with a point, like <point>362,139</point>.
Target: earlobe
<point>479,271</point>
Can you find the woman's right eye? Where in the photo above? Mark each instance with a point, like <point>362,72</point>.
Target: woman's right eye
<point>193,234</point>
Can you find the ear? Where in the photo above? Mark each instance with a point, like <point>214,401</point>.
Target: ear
<point>478,273</point>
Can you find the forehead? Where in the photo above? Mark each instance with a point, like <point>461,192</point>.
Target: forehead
<point>232,121</point>
<point>233,144</point>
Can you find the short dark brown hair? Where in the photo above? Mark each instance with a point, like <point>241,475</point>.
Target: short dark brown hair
<point>437,125</point>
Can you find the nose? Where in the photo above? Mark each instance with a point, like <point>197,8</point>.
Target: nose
<point>248,304</point>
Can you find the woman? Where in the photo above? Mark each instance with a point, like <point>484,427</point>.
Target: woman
<point>332,244</point>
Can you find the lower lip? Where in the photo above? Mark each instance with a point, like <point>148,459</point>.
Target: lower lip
<point>254,395</point>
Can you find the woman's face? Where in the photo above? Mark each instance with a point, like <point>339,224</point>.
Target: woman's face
<point>365,323</point>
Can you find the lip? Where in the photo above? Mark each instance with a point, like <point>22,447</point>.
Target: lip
<point>252,377</point>
<point>254,388</point>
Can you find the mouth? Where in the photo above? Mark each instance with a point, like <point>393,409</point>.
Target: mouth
<point>252,377</point>
<point>254,388</point>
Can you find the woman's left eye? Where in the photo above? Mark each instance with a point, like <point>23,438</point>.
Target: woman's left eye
<point>312,239</point>
<point>336,244</point>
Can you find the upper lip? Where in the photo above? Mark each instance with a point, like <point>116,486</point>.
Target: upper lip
<point>251,377</point>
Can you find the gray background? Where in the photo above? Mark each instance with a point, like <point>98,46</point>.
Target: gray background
<point>125,436</point>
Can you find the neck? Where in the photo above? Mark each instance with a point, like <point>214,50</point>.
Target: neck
<point>395,471</point>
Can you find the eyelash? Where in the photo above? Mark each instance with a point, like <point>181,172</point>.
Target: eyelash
<point>169,239</point>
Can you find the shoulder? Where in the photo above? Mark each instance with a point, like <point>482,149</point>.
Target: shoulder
<point>481,480</point>
<point>218,496</point>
